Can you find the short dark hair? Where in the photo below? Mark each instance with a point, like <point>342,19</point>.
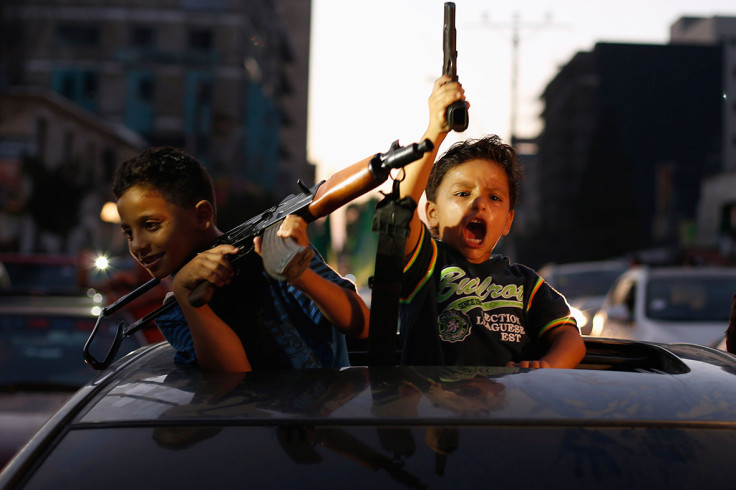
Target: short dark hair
<point>490,148</point>
<point>179,177</point>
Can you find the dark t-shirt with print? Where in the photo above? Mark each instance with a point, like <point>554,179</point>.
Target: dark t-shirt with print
<point>278,325</point>
<point>457,313</point>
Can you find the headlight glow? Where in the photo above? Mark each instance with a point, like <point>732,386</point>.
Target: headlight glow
<point>580,317</point>
<point>102,262</point>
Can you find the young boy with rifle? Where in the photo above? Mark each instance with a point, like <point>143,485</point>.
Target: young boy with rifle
<point>166,203</point>
<point>461,305</point>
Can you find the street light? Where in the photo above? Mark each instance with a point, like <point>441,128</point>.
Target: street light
<point>102,262</point>
<point>109,213</point>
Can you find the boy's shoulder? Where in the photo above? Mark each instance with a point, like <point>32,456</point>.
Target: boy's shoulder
<point>516,268</point>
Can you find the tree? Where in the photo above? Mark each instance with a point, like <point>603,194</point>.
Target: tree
<point>55,200</point>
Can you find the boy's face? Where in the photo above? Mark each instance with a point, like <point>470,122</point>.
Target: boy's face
<point>473,208</point>
<point>161,235</point>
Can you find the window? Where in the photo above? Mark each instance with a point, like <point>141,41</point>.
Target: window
<point>81,86</point>
<point>78,35</point>
<point>109,161</point>
<point>89,88</point>
<point>200,39</point>
<point>142,37</point>
<point>139,110</point>
<point>145,89</point>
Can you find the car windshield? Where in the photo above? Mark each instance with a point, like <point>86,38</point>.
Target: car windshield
<point>39,351</point>
<point>697,298</point>
<point>585,283</point>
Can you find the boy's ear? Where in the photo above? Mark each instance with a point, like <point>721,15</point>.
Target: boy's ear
<point>509,221</point>
<point>430,211</point>
<point>205,214</point>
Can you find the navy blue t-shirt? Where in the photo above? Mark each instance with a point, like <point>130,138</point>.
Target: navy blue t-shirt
<point>454,312</point>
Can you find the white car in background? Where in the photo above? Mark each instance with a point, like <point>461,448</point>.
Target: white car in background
<point>584,285</point>
<point>669,304</point>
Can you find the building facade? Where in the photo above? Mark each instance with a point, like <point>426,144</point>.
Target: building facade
<point>224,79</point>
<point>717,208</point>
<point>55,172</point>
<point>630,132</point>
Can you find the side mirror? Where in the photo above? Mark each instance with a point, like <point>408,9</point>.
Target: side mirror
<point>619,313</point>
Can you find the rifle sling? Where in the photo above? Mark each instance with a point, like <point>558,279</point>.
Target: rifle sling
<point>391,222</point>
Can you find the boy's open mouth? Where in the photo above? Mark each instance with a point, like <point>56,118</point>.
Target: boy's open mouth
<point>475,231</point>
<point>149,260</point>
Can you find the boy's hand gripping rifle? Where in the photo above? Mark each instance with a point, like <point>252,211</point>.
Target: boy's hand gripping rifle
<point>310,204</point>
<point>457,112</point>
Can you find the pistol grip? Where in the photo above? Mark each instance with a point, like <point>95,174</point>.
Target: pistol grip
<point>457,116</point>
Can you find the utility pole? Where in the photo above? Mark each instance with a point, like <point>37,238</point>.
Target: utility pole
<point>516,27</point>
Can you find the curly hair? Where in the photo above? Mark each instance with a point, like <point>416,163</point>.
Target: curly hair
<point>179,177</point>
<point>490,148</point>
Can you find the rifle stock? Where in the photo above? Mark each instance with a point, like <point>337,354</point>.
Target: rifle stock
<point>343,187</point>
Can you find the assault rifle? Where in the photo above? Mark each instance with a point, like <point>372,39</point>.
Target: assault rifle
<point>310,204</point>
<point>457,112</point>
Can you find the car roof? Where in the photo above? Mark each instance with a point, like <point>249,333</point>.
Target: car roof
<point>148,423</point>
<point>691,271</point>
<point>59,304</point>
<point>646,272</point>
<point>572,267</point>
<point>676,388</point>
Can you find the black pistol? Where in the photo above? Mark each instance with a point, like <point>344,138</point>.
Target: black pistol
<point>457,112</point>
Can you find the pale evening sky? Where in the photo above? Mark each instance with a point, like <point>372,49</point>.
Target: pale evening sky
<point>373,62</point>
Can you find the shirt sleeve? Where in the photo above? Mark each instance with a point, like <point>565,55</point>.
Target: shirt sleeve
<point>175,330</point>
<point>319,266</point>
<point>547,308</point>
<point>419,266</point>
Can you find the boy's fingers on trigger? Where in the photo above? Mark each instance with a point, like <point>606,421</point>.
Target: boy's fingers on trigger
<point>258,244</point>
<point>296,228</point>
<point>442,80</point>
<point>224,249</point>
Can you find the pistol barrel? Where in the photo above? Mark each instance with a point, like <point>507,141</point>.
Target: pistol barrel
<point>449,46</point>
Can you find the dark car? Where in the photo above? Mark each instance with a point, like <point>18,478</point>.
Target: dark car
<point>633,415</point>
<point>41,340</point>
<point>43,273</point>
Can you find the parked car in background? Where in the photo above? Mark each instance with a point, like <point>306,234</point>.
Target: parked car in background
<point>584,285</point>
<point>68,275</point>
<point>44,273</point>
<point>669,304</point>
<point>41,364</point>
<point>633,415</point>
